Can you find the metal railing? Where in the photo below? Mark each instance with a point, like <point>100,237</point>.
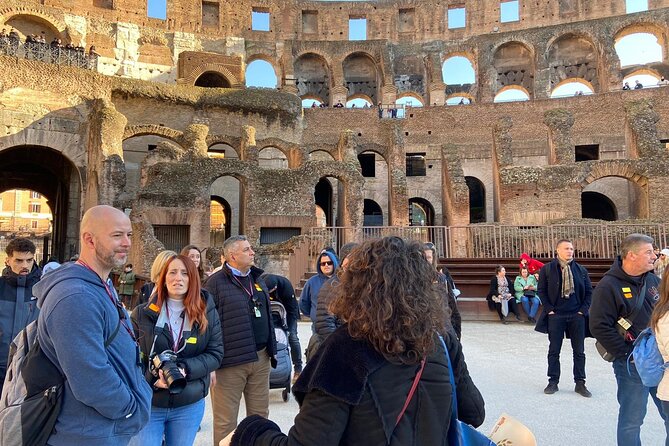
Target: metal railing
<point>502,241</point>
<point>44,52</point>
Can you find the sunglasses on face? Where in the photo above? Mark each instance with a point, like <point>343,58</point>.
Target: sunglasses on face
<point>328,263</point>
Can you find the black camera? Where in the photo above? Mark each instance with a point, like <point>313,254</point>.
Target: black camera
<point>167,362</point>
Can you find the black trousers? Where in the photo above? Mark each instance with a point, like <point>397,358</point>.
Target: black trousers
<point>513,308</point>
<point>574,326</point>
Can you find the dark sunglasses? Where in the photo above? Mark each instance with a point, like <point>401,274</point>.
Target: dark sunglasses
<point>328,263</point>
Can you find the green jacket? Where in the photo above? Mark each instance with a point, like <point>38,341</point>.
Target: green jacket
<point>521,283</point>
<point>126,283</point>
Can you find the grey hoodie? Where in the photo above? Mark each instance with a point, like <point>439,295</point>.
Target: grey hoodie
<point>106,399</point>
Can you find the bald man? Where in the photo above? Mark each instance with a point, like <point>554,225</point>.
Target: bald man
<point>84,330</point>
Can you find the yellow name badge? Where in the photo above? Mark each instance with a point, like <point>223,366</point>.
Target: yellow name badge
<point>628,295</point>
<point>154,307</point>
<point>258,287</point>
<point>627,290</point>
<point>191,340</point>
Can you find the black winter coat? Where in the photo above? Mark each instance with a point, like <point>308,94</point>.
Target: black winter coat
<point>362,394</point>
<point>610,304</point>
<point>198,359</point>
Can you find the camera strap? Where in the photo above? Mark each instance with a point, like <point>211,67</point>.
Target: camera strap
<point>176,339</point>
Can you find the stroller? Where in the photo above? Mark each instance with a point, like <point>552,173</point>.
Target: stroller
<point>280,377</point>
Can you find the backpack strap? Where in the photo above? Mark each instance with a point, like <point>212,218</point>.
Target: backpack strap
<point>111,338</point>
<point>639,302</point>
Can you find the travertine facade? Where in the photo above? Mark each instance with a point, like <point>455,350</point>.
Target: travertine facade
<point>140,135</point>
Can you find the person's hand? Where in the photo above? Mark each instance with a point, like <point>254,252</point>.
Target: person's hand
<point>212,378</point>
<point>227,441</point>
<point>160,382</point>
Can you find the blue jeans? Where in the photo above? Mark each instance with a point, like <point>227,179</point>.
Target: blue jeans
<point>633,401</point>
<point>178,425</point>
<point>574,325</point>
<point>294,342</point>
<point>530,305</point>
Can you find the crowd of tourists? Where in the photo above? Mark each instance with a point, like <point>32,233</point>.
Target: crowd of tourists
<point>36,47</point>
<point>384,359</point>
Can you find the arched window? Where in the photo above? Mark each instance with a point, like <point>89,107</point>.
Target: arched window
<point>572,87</point>
<point>512,94</point>
<point>477,210</point>
<point>211,79</point>
<point>458,70</point>
<point>260,73</point>
<point>638,49</point>
<point>372,213</point>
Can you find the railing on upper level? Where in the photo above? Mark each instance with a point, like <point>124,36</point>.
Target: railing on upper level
<point>597,240</point>
<point>44,52</point>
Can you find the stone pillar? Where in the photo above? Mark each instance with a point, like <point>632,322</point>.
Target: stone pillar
<point>560,122</point>
<point>388,94</point>
<point>641,122</point>
<point>337,94</point>
<point>437,94</point>
<point>398,195</point>
<point>455,199</point>
<point>195,139</point>
<point>247,145</point>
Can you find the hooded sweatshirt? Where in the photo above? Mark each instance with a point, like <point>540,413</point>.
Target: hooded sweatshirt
<point>309,295</point>
<point>616,296</point>
<point>533,265</point>
<point>106,399</point>
<point>18,308</point>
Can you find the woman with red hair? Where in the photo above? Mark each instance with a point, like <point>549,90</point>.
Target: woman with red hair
<point>179,332</point>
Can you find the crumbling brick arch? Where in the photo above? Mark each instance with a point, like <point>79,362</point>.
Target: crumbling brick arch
<point>293,153</point>
<point>28,21</point>
<point>512,87</point>
<point>514,63</point>
<point>571,80</point>
<point>212,68</point>
<point>573,55</point>
<point>321,155</point>
<point>459,88</point>
<point>362,75</point>
<point>362,96</point>
<point>276,66</point>
<point>351,209</point>
<point>659,30</point>
<point>151,129</point>
<point>410,73</point>
<point>639,200</point>
<point>313,76</point>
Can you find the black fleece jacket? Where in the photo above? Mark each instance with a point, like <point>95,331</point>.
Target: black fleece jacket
<point>350,394</point>
<point>609,304</point>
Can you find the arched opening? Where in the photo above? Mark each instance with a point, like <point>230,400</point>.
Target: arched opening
<point>596,205</point>
<point>614,196</point>
<point>325,196</point>
<point>311,103</point>
<point>640,79</point>
<point>226,212</point>
<point>211,79</point>
<point>459,99</point>
<point>372,213</point>
<point>222,151</point>
<point>512,94</point>
<point>407,101</point>
<point>312,77</point>
<point>572,87</point>
<point>260,73</point>
<point>360,76</point>
<point>220,216</point>
<point>421,212</point>
<point>514,64</point>
<point>639,48</point>
<point>272,158</point>
<point>477,211</point>
<point>573,57</point>
<point>48,173</point>
<point>458,70</point>
<point>359,102</point>
<point>25,213</point>
<point>27,25</point>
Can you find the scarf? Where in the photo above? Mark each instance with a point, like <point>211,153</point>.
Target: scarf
<point>567,278</point>
<point>502,286</point>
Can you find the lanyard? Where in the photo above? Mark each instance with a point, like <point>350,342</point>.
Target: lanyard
<point>250,290</point>
<point>115,302</point>
<point>169,327</point>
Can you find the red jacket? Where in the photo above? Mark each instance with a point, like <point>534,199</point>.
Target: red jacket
<point>533,265</point>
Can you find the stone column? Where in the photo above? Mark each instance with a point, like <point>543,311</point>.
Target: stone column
<point>642,122</point>
<point>338,93</point>
<point>437,94</point>
<point>560,122</point>
<point>388,94</point>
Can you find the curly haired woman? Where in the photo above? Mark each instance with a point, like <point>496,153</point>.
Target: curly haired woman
<point>355,387</point>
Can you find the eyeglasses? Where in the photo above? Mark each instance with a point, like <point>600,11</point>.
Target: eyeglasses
<point>328,263</point>
<point>429,245</point>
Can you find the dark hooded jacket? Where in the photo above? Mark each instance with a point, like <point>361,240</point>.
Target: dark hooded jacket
<point>106,400</point>
<point>362,394</point>
<point>309,295</point>
<point>202,353</point>
<point>18,308</point>
<point>610,303</point>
